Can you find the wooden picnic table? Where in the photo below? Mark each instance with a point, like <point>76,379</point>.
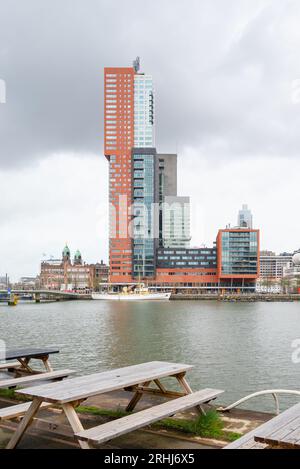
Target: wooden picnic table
<point>71,393</point>
<point>282,431</point>
<point>24,355</point>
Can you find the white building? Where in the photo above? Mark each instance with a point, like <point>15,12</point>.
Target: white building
<point>176,222</point>
<point>143,111</point>
<point>272,288</point>
<point>293,271</point>
<point>272,266</point>
<point>245,218</point>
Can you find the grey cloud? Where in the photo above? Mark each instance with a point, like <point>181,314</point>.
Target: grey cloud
<point>222,70</point>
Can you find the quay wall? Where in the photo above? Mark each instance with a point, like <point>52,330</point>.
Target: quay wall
<point>233,298</point>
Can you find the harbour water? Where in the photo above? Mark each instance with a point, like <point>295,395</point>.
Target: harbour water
<point>238,347</point>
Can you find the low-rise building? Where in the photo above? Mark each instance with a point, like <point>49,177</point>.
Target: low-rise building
<point>232,264</point>
<point>100,273</point>
<point>271,288</point>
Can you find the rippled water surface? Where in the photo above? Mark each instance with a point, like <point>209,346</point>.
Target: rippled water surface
<point>238,347</point>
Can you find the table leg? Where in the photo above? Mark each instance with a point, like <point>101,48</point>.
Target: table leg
<point>75,423</point>
<point>25,365</point>
<point>188,390</point>
<point>160,386</point>
<point>24,424</point>
<point>137,396</point>
<point>47,364</point>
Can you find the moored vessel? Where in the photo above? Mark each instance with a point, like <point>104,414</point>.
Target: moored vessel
<point>140,293</point>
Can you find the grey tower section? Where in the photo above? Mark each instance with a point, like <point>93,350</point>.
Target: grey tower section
<point>166,184</point>
<point>167,175</point>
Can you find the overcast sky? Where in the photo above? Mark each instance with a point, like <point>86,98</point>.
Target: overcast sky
<point>227,81</point>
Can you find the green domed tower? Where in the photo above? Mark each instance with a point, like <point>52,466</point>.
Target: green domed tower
<point>77,258</point>
<point>66,254</point>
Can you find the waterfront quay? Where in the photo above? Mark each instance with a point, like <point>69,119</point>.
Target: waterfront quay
<point>243,297</point>
<point>39,296</point>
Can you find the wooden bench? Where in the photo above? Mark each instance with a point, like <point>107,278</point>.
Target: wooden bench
<point>19,410</point>
<point>274,432</point>
<point>52,375</point>
<point>9,365</point>
<point>110,430</point>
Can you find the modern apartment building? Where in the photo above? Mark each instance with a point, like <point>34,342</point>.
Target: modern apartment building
<point>238,256</point>
<point>118,144</point>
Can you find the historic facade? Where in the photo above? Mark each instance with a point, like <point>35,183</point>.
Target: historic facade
<point>71,275</point>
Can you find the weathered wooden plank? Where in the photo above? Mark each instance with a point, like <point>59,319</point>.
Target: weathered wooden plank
<point>286,436</point>
<point>11,382</point>
<point>275,424</point>
<point>7,365</point>
<point>290,426</point>
<point>246,442</point>
<point>291,440</point>
<point>107,431</point>
<point>90,385</point>
<point>18,410</point>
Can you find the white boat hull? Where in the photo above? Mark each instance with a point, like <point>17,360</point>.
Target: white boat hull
<point>131,297</point>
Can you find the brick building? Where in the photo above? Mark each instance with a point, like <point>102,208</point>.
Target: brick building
<point>68,274</point>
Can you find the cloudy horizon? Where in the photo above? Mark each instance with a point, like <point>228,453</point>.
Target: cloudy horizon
<point>227,100</point>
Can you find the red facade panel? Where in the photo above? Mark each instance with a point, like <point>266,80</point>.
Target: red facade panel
<point>118,142</point>
<point>199,276</point>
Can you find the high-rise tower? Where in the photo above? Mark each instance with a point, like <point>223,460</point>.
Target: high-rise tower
<point>128,123</point>
<point>245,219</point>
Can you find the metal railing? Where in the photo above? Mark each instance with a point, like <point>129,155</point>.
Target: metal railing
<point>273,392</point>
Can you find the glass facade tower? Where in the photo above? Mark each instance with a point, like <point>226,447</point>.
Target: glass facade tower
<point>144,216</point>
<point>143,111</point>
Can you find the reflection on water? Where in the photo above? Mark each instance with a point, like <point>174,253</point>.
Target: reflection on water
<point>238,347</point>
